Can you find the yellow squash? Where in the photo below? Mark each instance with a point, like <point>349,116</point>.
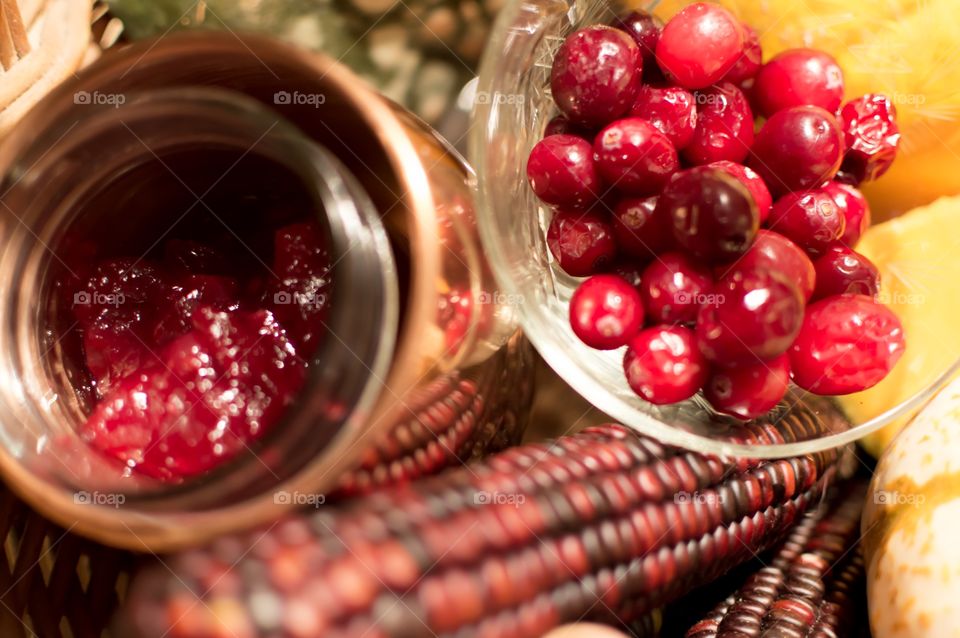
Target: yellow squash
<point>910,527</point>
<point>919,260</point>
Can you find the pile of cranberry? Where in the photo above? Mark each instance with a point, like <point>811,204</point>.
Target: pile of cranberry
<point>721,257</point>
<point>196,351</point>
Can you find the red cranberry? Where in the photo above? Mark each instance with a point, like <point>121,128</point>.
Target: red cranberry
<point>855,209</point>
<point>299,295</point>
<point>634,156</point>
<point>129,287</point>
<point>663,364</point>
<point>756,317</point>
<point>191,292</point>
<point>797,149</point>
<point>670,109</point>
<point>712,214</point>
<point>561,125</point>
<point>113,351</point>
<point>750,59</point>
<point>842,270</point>
<point>561,171</point>
<point>847,344</point>
<point>812,220</point>
<point>799,77</point>
<point>773,251</point>
<point>582,243</point>
<point>640,230</point>
<point>213,390</point>
<point>605,312</point>
<point>871,134</point>
<point>748,391</point>
<point>754,183</point>
<point>596,75</point>
<point>673,288</point>
<point>117,310</point>
<point>645,29</point>
<point>724,126</point>
<point>699,45</point>
<point>456,312</point>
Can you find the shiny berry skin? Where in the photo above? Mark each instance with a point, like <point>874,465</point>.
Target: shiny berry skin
<point>749,391</point>
<point>699,45</point>
<point>797,149</point>
<point>754,183</point>
<point>561,171</point>
<point>773,251</point>
<point>855,209</point>
<point>812,220</point>
<point>645,29</point>
<point>202,399</point>
<point>799,77</point>
<point>871,136</point>
<point>633,156</point>
<point>301,290</point>
<point>670,109</point>
<point>750,59</point>
<point>582,243</point>
<point>724,126</point>
<point>712,214</point>
<point>757,316</point>
<point>596,75</point>
<point>673,288</point>
<point>640,231</point>
<point>842,270</point>
<point>847,344</point>
<point>663,365</point>
<point>132,288</point>
<point>605,312</point>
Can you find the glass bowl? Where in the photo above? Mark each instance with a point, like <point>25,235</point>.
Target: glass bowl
<point>512,107</point>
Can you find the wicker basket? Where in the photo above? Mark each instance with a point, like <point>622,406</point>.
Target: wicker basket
<point>55,584</point>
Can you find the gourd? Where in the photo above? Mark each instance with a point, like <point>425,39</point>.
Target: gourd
<point>910,525</point>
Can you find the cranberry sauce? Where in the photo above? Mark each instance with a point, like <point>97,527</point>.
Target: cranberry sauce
<point>191,297</point>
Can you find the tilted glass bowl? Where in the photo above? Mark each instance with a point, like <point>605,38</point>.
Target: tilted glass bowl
<point>512,106</point>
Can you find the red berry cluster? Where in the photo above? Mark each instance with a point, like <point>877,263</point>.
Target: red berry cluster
<point>722,258</point>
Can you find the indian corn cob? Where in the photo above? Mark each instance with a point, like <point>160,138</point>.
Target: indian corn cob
<point>603,525</point>
<point>813,588</point>
<point>445,427</point>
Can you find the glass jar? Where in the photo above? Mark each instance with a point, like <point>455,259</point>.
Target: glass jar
<point>512,106</point>
<point>426,368</point>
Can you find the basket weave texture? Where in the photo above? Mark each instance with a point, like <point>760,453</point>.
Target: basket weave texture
<point>54,584</point>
